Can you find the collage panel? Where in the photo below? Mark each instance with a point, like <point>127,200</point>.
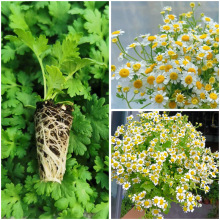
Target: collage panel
<point>55,110</point>
<point>71,146</point>
<point>164,164</point>
<point>165,55</point>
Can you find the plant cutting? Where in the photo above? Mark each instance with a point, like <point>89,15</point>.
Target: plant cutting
<point>162,159</point>
<point>53,57</point>
<point>53,121</point>
<point>177,68</point>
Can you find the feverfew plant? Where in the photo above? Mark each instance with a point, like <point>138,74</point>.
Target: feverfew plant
<point>51,50</point>
<point>162,159</point>
<point>177,68</point>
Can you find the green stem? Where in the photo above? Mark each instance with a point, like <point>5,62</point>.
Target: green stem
<point>145,105</point>
<point>132,98</point>
<point>151,51</point>
<point>30,106</point>
<point>122,50</point>
<point>138,54</point>
<point>126,99</point>
<point>44,78</point>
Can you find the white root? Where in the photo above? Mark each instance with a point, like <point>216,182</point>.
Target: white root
<point>52,126</point>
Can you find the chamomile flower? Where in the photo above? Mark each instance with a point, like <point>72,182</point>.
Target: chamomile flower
<point>117,33</point>
<point>159,99</point>
<point>188,79</point>
<point>147,203</point>
<point>126,185</point>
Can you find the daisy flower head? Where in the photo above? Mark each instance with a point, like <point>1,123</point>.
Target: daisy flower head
<point>188,79</point>
<point>126,185</point>
<point>160,80</point>
<point>155,212</point>
<point>147,203</point>
<point>173,76</point>
<point>117,33</point>
<point>159,98</point>
<point>167,8</point>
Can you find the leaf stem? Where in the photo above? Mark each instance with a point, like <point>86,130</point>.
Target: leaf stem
<point>145,105</point>
<point>44,77</point>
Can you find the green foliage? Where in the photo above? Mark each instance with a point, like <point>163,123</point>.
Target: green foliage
<point>126,204</point>
<point>55,50</point>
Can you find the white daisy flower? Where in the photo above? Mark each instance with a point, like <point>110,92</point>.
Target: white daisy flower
<point>159,99</point>
<point>117,33</point>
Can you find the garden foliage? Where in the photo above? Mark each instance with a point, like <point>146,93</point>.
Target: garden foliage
<point>162,159</point>
<point>69,41</point>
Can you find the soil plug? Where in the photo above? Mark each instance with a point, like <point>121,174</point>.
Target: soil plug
<point>52,124</point>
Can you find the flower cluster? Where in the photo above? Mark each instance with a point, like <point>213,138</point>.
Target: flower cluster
<point>177,68</point>
<point>162,159</point>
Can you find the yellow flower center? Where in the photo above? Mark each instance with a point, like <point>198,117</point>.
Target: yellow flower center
<point>172,17</point>
<point>201,55</point>
<point>207,19</point>
<point>180,190</point>
<point>171,53</point>
<point>195,100</point>
<point>188,80</point>
<point>191,207</point>
<point>159,57</point>
<point>126,89</point>
<point>172,104</point>
<point>206,47</point>
<point>139,208</point>
<point>179,43</point>
<point>176,26</point>
<point>208,87</point>
<point>168,67</point>
<point>156,211</point>
<point>146,203</point>
<point>150,80</point>
<point>188,176</point>
<point>115,32</point>
<point>166,27</point>
<point>155,45</point>
<point>132,45</point>
<point>136,66</point>
<point>148,70</point>
<point>184,208</point>
<point>151,38</point>
<point>137,198</point>
<point>124,73</point>
<point>192,70</point>
<point>126,185</point>
<point>185,62</point>
<point>173,76</point>
<point>155,201</point>
<point>164,43</point>
<point>190,199</point>
<point>213,96</point>
<point>166,21</point>
<point>212,80</point>
<point>160,79</point>
<point>185,38</point>
<point>113,68</point>
<point>198,85</point>
<point>115,164</point>
<point>203,36</point>
<point>159,98</point>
